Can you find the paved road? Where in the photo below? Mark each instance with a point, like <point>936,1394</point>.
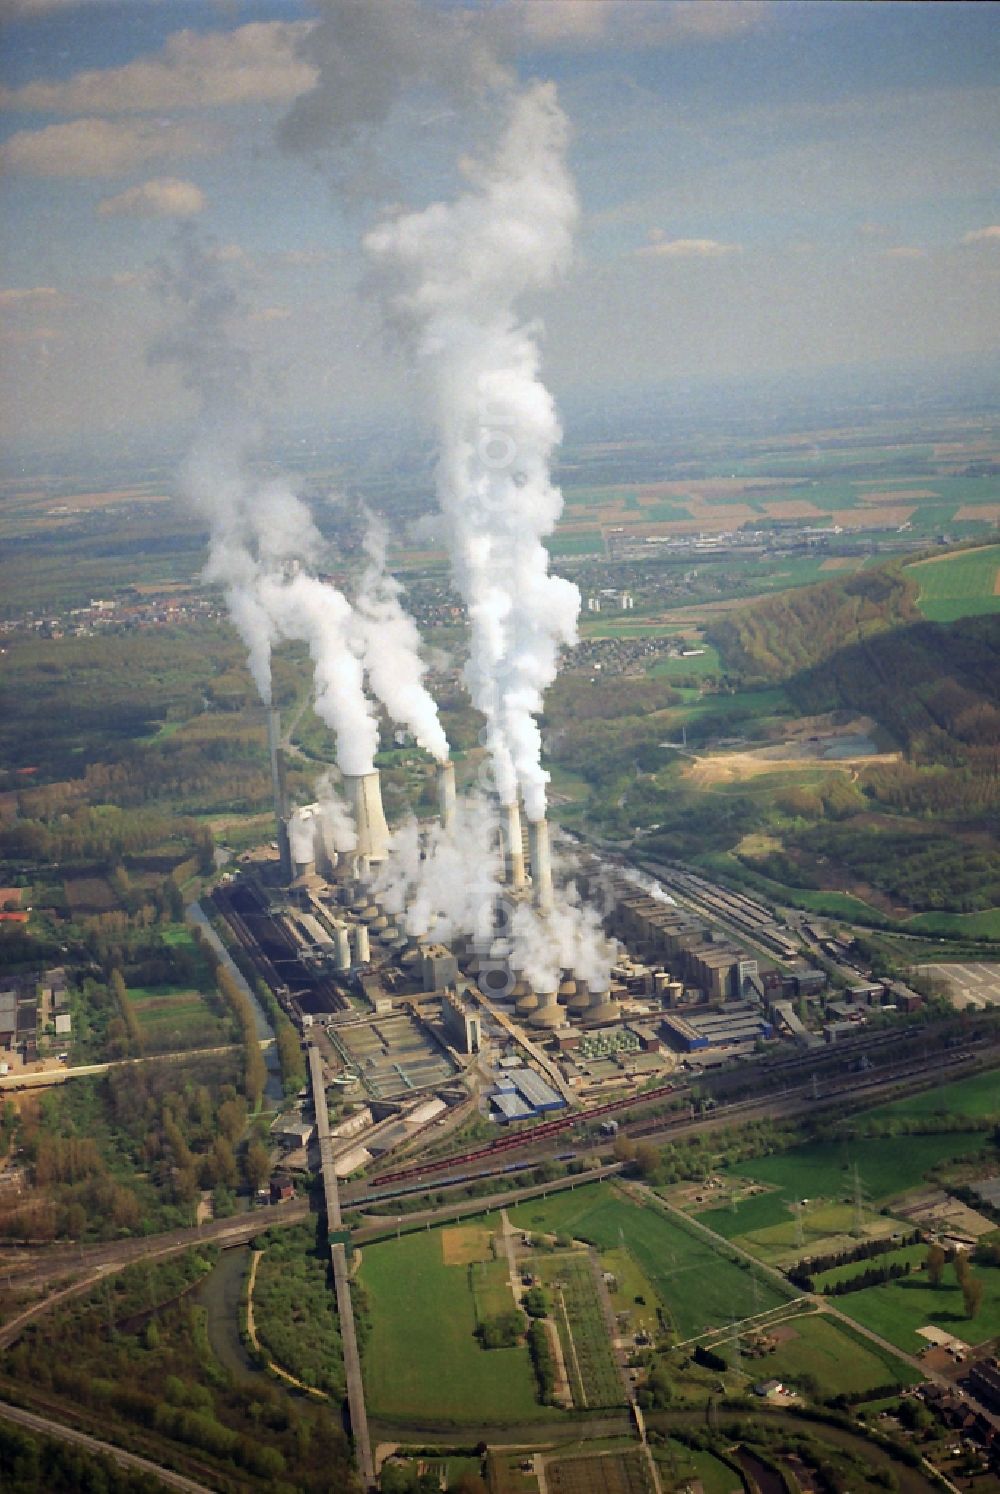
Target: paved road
<point>341,1279</point>
<point>129,1461</point>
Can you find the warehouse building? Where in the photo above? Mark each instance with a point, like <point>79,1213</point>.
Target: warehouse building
<point>741,1024</point>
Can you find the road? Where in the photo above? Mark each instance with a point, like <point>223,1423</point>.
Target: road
<point>46,1078</point>
<point>341,1278</point>
<point>131,1462</point>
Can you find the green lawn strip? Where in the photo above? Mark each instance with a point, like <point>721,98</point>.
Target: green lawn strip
<point>491,1293</point>
<point>422,1357</point>
<point>822,1172</point>
<point>898,1309</point>
<point>914,1254</point>
<point>839,1361</point>
<point>978,1096</point>
<point>706,663</point>
<point>982,925</point>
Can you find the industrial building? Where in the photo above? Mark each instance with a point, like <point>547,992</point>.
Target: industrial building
<point>522,1093</point>
<point>737,1025</point>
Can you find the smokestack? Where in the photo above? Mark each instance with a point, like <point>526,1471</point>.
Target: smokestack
<point>362,946</point>
<point>364,792</point>
<point>343,954</point>
<point>446,793</point>
<point>279,790</point>
<point>513,844</point>
<point>541,864</point>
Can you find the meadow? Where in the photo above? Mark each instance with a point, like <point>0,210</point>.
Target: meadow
<point>839,1361</point>
<point>977,1096</point>
<point>421,1357</point>
<point>897,1309</point>
<point>696,1287</point>
<point>958,585</point>
<point>820,1178</point>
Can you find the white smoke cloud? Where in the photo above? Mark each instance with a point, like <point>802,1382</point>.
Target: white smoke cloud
<point>390,647</point>
<point>450,277</point>
<point>259,525</point>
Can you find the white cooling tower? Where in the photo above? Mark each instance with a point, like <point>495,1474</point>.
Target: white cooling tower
<point>541,864</point>
<point>364,792</point>
<point>362,946</point>
<point>447,799</point>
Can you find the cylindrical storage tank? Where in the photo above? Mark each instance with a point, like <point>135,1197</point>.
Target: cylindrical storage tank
<point>343,947</point>
<point>362,945</point>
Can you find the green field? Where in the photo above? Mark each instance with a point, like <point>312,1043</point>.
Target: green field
<point>838,1361</point>
<point>976,1096</point>
<point>958,585</point>
<point>822,1173</point>
<point>898,1309</point>
<point>983,925</point>
<point>421,1358</point>
<point>174,1017</point>
<point>699,664</point>
<point>914,1254</point>
<point>579,1318</point>
<point>696,1287</point>
<point>686,1464</point>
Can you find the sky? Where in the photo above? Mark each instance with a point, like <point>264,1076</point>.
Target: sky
<point>765,188</point>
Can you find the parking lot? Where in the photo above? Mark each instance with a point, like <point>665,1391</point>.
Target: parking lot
<point>975,984</point>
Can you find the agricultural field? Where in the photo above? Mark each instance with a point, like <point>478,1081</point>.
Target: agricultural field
<point>172,1018</point>
<point>421,1355</point>
<point>684,1465</point>
<point>694,1287</point>
<point>568,1277</point>
<point>599,1473</point>
<point>838,1361</point>
<point>898,1308</point>
<point>811,1192</point>
<point>958,585</point>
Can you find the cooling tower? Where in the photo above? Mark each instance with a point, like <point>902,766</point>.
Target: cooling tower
<point>548,1012</point>
<point>362,946</point>
<point>541,864</point>
<point>446,793</point>
<point>513,845</point>
<point>364,794</point>
<point>602,1008</point>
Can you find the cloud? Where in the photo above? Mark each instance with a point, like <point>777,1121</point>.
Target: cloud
<point>990,235</point>
<point>162,197</point>
<point>270,314</point>
<point>98,147</point>
<point>257,63</point>
<point>660,247</point>
<point>303,259</point>
<point>633,25</point>
<point>34,295</point>
<point>904,251</point>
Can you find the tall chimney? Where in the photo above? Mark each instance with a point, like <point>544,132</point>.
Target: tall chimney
<point>446,793</point>
<point>541,864</point>
<point>365,794</point>
<point>279,790</point>
<point>362,945</point>
<point>513,845</point>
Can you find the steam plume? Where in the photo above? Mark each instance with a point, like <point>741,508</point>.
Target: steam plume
<point>450,277</point>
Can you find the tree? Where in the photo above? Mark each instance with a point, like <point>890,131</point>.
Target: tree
<point>935,1264</point>
<point>257,1165</point>
<point>972,1294</point>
